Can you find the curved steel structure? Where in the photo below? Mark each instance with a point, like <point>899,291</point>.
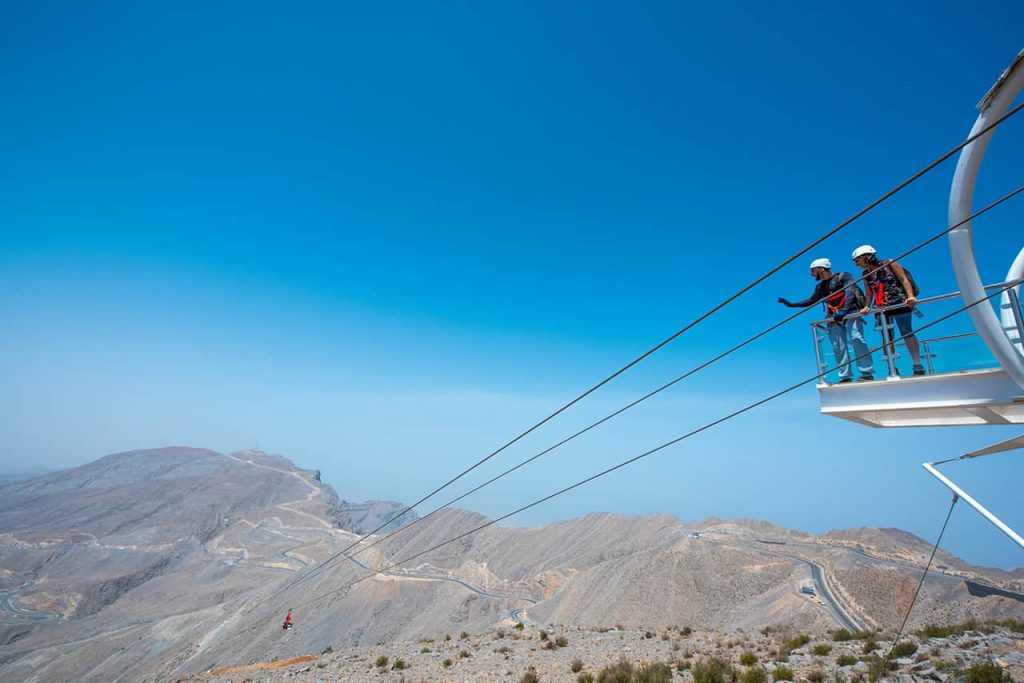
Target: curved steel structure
<point>995,103</point>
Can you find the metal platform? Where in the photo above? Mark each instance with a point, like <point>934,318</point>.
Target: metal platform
<point>970,397</point>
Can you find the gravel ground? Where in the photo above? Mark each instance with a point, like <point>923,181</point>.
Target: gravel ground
<point>506,654</point>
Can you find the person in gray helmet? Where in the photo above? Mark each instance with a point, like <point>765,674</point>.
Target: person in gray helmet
<point>842,301</point>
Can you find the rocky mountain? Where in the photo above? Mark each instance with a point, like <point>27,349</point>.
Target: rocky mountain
<point>159,564</point>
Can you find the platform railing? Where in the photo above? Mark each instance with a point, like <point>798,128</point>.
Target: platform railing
<point>947,349</point>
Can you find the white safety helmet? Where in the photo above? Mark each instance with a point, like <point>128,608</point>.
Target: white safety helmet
<point>862,250</point>
<point>821,263</point>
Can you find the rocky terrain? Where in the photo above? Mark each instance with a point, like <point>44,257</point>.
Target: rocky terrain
<point>672,654</point>
<point>155,565</point>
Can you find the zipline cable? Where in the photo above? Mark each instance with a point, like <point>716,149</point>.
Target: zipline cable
<point>656,449</point>
<point>906,617</point>
<point>676,334</point>
<point>653,393</point>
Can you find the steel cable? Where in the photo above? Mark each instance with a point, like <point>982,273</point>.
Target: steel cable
<point>647,453</point>
<point>689,373</point>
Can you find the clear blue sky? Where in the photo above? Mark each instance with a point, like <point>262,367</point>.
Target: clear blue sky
<point>383,238</point>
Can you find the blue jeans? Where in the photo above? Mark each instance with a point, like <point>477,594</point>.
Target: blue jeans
<point>852,329</point>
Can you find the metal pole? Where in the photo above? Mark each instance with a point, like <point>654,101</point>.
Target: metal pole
<point>974,504</point>
<point>890,346</point>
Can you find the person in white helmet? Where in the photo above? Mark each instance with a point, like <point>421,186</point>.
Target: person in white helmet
<point>842,300</point>
<point>890,287</point>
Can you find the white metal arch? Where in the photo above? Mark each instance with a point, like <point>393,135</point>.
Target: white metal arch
<point>961,245</point>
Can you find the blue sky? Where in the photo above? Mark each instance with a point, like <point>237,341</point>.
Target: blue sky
<point>384,238</point>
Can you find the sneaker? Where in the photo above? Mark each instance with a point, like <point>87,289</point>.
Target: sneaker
<point>845,380</point>
<point>919,370</point>
<point>866,378</point>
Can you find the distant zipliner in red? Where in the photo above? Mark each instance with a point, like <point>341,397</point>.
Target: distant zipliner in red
<point>287,621</point>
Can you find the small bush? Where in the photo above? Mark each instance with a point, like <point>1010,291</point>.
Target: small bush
<point>561,641</point>
<point>530,676</point>
<point>846,660</point>
<point>327,650</point>
<point>585,678</point>
<point>447,637</point>
<point>821,649</point>
<point>653,673</point>
<point>576,666</point>
<point>713,670</point>
<point>648,634</point>
<point>686,631</point>
<point>782,673</point>
<point>989,672</point>
<point>842,635</point>
<point>543,635</point>
<point>519,626</point>
<point>547,645</point>
<point>904,648</point>
<point>398,665</point>
<point>619,672</point>
<point>870,645</point>
<point>815,676</point>
<point>877,667</point>
<point>463,654</point>
<point>500,633</point>
<point>754,674</point>
<point>463,636</point>
<point>321,665</point>
<point>447,662</point>
<point>748,659</point>
<point>382,661</point>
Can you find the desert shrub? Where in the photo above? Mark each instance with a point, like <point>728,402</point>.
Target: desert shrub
<point>648,634</point>
<point>782,673</point>
<point>399,664</point>
<point>937,631</point>
<point>576,666</point>
<point>530,676</point>
<point>543,635</point>
<point>382,661</point>
<point>988,672</point>
<point>561,641</point>
<point>424,650</point>
<point>447,662</point>
<point>665,636</point>
<point>793,643</point>
<point>547,645</point>
<point>585,678</point>
<point>713,670</point>
<point>821,649</point>
<point>870,645</point>
<point>878,666</point>
<point>619,672</point>
<point>754,674</point>
<point>463,636</point>
<point>1015,625</point>
<point>686,631</point>
<point>815,676</point>
<point>463,654</point>
<point>904,648</point>
<point>657,672</point>
<point>846,660</point>
<point>327,650</point>
<point>321,665</point>
<point>842,635</point>
<point>447,637</point>
<point>500,633</point>
<point>519,626</point>
<point>748,659</point>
